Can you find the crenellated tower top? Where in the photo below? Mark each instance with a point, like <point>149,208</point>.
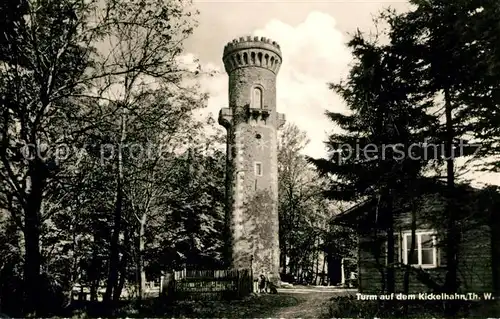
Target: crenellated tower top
<point>251,52</point>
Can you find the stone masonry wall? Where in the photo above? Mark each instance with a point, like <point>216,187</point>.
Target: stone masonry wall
<point>252,200</point>
<point>255,228</point>
<point>241,83</point>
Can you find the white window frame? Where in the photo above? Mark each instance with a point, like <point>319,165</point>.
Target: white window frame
<point>257,104</point>
<point>418,235</point>
<point>257,170</point>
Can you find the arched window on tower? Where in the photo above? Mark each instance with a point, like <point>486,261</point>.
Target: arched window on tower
<point>257,98</point>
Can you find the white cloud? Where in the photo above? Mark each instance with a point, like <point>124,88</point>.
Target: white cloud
<point>314,53</point>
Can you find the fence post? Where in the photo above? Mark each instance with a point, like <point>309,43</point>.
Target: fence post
<point>162,287</point>
<point>249,283</point>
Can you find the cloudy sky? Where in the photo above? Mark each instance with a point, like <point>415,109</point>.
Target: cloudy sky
<point>312,35</point>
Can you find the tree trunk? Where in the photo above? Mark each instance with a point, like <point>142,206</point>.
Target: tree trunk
<point>317,267</point>
<point>32,282</point>
<point>413,229</point>
<point>32,222</point>
<point>114,256</point>
<point>452,243</point>
<point>378,264</point>
<point>122,269</point>
<point>495,257</point>
<point>140,261</point>
<point>406,280</point>
<point>74,264</point>
<point>283,256</point>
<point>94,272</point>
<point>390,245</point>
<point>323,275</point>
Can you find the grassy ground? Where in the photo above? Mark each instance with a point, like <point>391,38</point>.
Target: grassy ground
<point>251,307</point>
<point>306,302</point>
<point>303,302</point>
<point>349,307</point>
<point>255,306</point>
<point>309,305</point>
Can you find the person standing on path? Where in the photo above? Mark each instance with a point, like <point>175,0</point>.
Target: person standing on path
<point>262,284</point>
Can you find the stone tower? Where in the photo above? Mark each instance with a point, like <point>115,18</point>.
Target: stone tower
<point>251,121</point>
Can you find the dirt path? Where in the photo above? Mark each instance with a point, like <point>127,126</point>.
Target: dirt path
<point>311,303</point>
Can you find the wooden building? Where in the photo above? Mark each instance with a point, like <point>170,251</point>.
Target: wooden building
<point>476,217</point>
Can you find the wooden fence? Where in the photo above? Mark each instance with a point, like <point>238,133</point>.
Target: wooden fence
<point>82,292</point>
<point>211,284</point>
<point>186,284</point>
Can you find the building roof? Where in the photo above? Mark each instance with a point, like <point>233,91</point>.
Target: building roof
<point>365,213</point>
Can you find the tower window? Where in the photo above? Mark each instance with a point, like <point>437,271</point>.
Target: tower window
<point>258,169</point>
<point>257,98</point>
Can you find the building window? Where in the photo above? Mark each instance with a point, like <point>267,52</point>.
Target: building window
<point>257,98</point>
<point>425,252</point>
<point>258,169</point>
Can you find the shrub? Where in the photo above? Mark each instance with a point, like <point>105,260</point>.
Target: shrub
<point>350,307</point>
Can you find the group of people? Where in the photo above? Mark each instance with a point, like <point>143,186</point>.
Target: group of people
<point>266,286</point>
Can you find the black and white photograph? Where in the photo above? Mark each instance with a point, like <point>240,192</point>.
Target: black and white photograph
<point>250,159</point>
